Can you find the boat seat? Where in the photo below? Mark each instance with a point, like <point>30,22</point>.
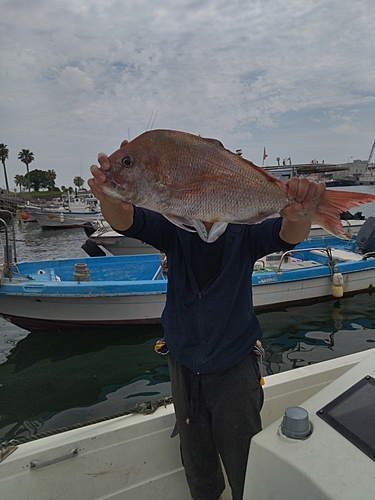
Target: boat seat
<point>299,264</point>
<point>286,265</point>
<point>344,255</point>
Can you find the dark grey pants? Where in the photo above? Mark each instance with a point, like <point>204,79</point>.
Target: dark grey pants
<point>217,415</point>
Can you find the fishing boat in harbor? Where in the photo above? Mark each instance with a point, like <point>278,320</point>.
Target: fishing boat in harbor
<point>368,176</point>
<point>130,289</point>
<point>316,443</point>
<point>71,213</point>
<point>102,236</point>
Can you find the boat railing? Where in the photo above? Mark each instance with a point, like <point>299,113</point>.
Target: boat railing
<point>293,253</point>
<point>162,270</point>
<point>368,255</point>
<point>333,255</point>
<point>7,263</point>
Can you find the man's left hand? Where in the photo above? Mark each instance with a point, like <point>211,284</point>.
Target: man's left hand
<point>303,192</point>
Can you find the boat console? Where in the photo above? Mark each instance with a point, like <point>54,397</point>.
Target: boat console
<point>323,449</point>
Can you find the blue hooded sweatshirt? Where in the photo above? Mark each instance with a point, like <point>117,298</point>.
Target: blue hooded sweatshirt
<point>214,328</point>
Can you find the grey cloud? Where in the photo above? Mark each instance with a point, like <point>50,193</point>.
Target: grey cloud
<point>236,70</point>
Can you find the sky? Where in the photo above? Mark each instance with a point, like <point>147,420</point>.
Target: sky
<point>296,77</point>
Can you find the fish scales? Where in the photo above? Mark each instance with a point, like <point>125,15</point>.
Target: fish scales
<point>184,177</point>
<point>199,180</point>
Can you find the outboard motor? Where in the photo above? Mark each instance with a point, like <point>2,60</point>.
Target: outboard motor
<point>366,236</point>
<point>92,249</point>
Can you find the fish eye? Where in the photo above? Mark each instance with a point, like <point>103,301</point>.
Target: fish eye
<point>127,161</point>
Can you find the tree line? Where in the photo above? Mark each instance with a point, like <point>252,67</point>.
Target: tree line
<point>35,179</point>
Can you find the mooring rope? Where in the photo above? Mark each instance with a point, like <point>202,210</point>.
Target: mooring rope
<point>144,408</point>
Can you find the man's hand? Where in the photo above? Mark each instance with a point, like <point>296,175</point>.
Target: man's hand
<point>99,178</point>
<point>118,213</point>
<point>296,224</point>
<point>304,192</point>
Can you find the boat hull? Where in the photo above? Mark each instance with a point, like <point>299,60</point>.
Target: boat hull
<point>281,293</point>
<point>44,312</point>
<point>53,220</point>
<point>39,311</point>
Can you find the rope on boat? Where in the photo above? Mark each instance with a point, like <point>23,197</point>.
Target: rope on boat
<point>144,408</point>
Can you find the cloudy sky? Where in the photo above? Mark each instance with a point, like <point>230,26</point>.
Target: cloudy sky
<point>78,76</point>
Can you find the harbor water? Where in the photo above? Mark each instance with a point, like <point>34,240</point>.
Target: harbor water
<point>57,379</point>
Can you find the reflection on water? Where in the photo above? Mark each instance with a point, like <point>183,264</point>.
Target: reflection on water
<point>50,380</point>
<point>299,336</point>
<point>34,243</point>
<point>53,379</point>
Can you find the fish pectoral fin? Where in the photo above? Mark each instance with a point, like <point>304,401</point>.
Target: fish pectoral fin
<point>181,222</point>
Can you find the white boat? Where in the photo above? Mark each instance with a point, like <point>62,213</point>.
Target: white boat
<point>350,227</point>
<point>367,178</point>
<point>133,457</point>
<point>333,456</point>
<point>110,290</point>
<point>100,234</point>
<point>23,214</point>
<point>72,213</point>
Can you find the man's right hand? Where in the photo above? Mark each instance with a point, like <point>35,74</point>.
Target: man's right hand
<point>118,214</point>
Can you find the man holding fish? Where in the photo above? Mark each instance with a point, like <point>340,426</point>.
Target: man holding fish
<point>209,211</point>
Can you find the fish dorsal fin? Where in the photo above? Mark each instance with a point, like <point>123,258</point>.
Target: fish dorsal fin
<point>181,222</point>
<point>214,141</point>
<point>270,177</point>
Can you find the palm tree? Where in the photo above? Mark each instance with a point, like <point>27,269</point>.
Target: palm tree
<point>78,181</point>
<point>51,177</point>
<point>4,155</point>
<point>19,180</point>
<point>26,156</point>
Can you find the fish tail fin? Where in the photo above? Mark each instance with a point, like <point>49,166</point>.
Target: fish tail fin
<point>332,203</point>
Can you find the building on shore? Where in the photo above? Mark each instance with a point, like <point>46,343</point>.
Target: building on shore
<point>356,172</point>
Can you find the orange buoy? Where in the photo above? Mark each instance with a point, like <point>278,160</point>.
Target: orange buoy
<point>25,215</point>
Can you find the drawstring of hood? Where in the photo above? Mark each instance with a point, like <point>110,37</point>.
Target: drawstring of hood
<point>216,231</point>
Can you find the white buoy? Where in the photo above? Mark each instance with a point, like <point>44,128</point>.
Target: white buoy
<point>337,283</point>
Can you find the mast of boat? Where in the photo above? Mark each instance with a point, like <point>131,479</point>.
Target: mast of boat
<point>370,157</point>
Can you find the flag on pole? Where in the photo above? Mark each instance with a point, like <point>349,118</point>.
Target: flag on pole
<point>264,154</point>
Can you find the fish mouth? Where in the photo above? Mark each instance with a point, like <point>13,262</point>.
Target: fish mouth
<point>112,189</point>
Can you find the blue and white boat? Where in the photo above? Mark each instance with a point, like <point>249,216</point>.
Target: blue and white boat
<point>129,289</point>
<point>86,292</point>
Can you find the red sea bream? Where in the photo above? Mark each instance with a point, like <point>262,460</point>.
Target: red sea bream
<point>184,177</point>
